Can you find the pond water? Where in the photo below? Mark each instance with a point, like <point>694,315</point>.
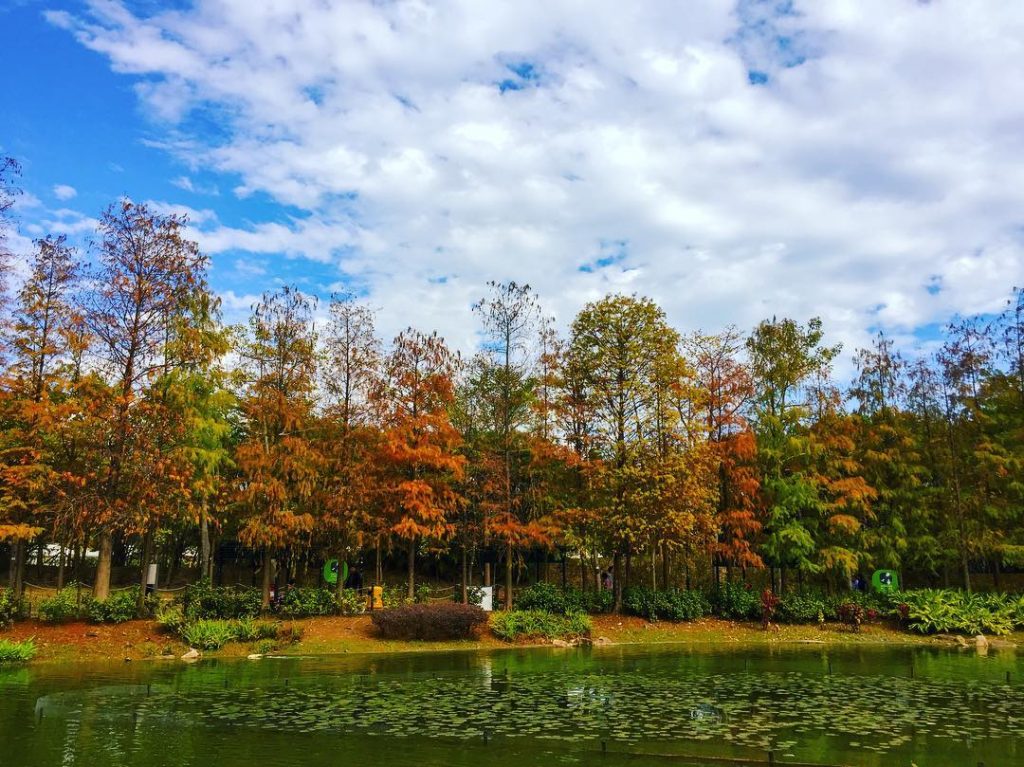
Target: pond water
<point>608,706</point>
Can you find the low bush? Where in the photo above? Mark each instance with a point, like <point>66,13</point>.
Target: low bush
<point>301,602</point>
<point>119,607</point>
<point>737,601</point>
<point>550,598</point>
<point>11,608</point>
<point>214,633</point>
<point>442,620</point>
<point>669,604</point>
<point>512,625</point>
<point>943,610</point>
<point>253,630</point>
<point>852,614</point>
<point>804,608</point>
<point>211,634</point>
<point>16,652</point>
<point>66,605</point>
<point>171,617</point>
<point>204,601</point>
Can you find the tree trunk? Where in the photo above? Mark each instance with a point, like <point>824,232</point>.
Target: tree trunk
<point>617,581</point>
<point>61,562</point>
<point>995,572</point>
<point>378,572</point>
<point>339,585</point>
<point>412,569</point>
<point>508,577</point>
<point>465,577</point>
<point>654,565</point>
<point>268,565</point>
<point>664,567</point>
<point>204,545</point>
<point>20,555</point>
<point>146,555</point>
<point>101,585</point>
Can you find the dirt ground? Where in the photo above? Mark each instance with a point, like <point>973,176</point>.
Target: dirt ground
<point>140,640</point>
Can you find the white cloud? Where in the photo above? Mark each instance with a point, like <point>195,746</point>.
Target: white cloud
<point>475,141</point>
<point>63,192</point>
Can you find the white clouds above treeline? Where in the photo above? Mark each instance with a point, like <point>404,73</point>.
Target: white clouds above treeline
<point>733,161</point>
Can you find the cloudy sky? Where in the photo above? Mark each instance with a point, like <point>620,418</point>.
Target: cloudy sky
<point>855,159</point>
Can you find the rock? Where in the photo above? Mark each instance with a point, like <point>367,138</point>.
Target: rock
<point>952,639</point>
<point>192,654</point>
<point>980,641</point>
<point>602,641</point>
<point>1001,644</point>
<point>560,643</point>
<point>92,633</point>
<point>255,656</point>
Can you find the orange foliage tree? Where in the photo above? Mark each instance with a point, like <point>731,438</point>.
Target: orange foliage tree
<point>419,458</point>
<point>279,462</point>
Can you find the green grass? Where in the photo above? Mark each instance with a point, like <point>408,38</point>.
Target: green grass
<point>533,624</point>
<point>16,652</point>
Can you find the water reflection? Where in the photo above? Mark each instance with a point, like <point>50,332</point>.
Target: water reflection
<point>863,706</point>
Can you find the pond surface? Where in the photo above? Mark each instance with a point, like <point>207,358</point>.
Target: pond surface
<point>609,706</point>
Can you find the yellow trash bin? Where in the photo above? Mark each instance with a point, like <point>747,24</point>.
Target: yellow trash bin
<point>375,598</point>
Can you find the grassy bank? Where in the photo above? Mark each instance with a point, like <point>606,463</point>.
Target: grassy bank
<point>143,639</point>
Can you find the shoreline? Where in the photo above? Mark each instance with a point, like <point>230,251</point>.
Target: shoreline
<point>81,643</point>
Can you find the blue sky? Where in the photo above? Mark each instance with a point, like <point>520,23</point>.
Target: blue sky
<point>734,160</point>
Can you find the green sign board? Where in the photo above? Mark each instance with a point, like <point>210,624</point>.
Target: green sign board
<point>885,580</point>
<point>331,571</point>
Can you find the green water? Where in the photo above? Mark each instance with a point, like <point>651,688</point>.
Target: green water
<point>608,706</point>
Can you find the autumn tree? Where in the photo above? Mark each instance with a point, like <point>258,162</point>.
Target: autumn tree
<point>147,273</point>
<point>351,369</point>
<point>504,383</point>
<point>279,459</point>
<point>419,455</point>
<point>619,343</point>
<point>725,390</point>
<point>31,394</point>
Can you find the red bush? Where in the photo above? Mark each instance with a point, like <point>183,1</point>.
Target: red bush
<point>445,620</point>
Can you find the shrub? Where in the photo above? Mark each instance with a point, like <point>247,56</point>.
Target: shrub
<point>119,607</point>
<point>171,617</point>
<point>351,603</point>
<point>443,620</point>
<point>304,602</point>
<point>62,606</point>
<point>671,604</point>
<point>769,603</point>
<point>935,610</point>
<point>735,600</point>
<point>16,652</point>
<point>204,601</point>
<point>394,596</point>
<point>852,614</point>
<point>11,608</point>
<point>253,630</point>
<point>804,608</point>
<point>209,634</point>
<point>550,598</point>
<point>511,625</point>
